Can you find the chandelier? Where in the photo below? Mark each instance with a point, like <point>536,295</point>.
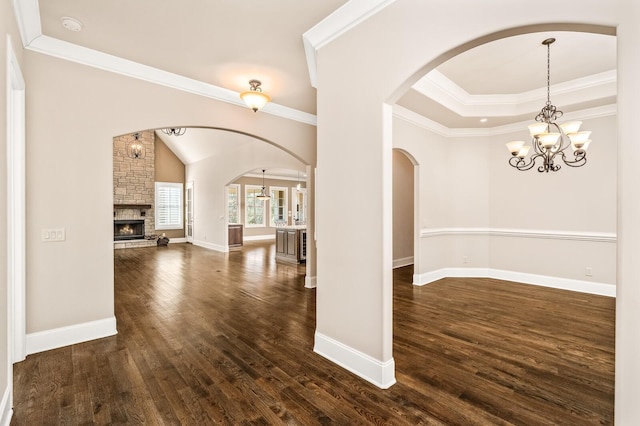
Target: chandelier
<point>135,148</point>
<point>175,131</point>
<point>254,98</point>
<point>550,140</point>
<point>263,192</point>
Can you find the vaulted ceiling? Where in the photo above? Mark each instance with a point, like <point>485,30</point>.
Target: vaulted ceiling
<point>223,44</point>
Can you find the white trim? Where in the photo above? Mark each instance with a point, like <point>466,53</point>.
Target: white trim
<point>333,26</point>
<point>442,90</point>
<point>177,240</point>
<point>259,237</point>
<point>96,59</point>
<point>310,282</point>
<point>607,237</point>
<point>379,373</point>
<point>405,261</point>
<point>437,128</point>
<point>16,210</point>
<point>28,18</point>
<point>6,411</point>
<point>70,335</point>
<point>210,246</point>
<point>601,289</point>
<point>271,203</point>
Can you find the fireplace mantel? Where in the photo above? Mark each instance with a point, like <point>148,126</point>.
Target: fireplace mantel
<point>132,206</point>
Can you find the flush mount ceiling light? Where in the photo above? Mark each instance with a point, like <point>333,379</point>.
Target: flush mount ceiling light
<point>254,98</point>
<point>71,24</point>
<point>263,193</point>
<point>135,148</point>
<point>550,140</point>
<point>174,131</point>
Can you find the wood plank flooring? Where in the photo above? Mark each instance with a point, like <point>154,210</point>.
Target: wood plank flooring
<point>211,338</point>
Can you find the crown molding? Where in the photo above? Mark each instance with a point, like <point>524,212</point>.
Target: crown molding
<point>441,89</point>
<point>28,17</point>
<point>437,128</point>
<point>333,26</point>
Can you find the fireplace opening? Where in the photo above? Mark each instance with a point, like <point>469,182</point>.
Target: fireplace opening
<point>128,230</point>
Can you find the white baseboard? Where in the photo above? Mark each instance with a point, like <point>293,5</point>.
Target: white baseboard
<point>6,411</point>
<point>310,282</point>
<point>405,261</point>
<point>65,336</point>
<point>381,374</point>
<point>601,289</point>
<point>211,246</point>
<point>177,240</point>
<point>259,237</point>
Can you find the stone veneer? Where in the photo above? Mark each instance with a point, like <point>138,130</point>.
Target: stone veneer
<point>134,179</point>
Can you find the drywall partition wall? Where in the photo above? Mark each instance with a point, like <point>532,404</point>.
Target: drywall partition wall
<point>627,409</point>
<point>211,175</point>
<point>560,224</point>
<point>10,36</point>
<point>403,232</point>
<point>395,47</point>
<point>74,112</point>
<point>168,168</point>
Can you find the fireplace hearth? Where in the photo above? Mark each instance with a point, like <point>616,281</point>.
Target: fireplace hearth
<point>128,230</point>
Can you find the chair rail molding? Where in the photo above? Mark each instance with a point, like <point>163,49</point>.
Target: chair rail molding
<point>609,237</point>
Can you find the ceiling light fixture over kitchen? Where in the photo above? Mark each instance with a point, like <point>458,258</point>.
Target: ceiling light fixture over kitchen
<point>263,193</point>
<point>254,97</point>
<point>550,140</point>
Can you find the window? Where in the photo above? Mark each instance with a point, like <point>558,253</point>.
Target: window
<point>254,209</point>
<point>168,205</point>
<point>233,203</point>
<point>278,205</point>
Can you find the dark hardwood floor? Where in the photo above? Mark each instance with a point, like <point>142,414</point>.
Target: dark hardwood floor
<point>206,338</point>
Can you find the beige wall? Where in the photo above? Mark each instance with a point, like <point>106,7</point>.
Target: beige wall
<point>168,168</point>
<point>268,230</point>
<point>71,106</point>
<point>403,234</point>
<point>210,176</point>
<point>484,194</point>
<point>7,28</point>
<point>353,299</point>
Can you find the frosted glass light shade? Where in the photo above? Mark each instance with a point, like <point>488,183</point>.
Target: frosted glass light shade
<point>523,151</point>
<point>582,146</point>
<point>515,146</point>
<point>571,127</point>
<point>254,99</point>
<point>536,129</point>
<point>548,140</point>
<point>579,137</point>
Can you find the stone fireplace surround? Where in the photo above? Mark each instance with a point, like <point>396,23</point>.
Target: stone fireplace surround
<point>134,186</point>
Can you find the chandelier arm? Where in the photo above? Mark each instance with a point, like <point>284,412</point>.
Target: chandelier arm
<point>580,159</point>
<point>522,165</point>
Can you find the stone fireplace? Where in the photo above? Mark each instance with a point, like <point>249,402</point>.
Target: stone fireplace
<point>134,189</point>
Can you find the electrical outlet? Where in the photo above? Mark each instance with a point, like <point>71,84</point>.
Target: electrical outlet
<point>465,259</point>
<point>53,235</point>
<point>588,271</point>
